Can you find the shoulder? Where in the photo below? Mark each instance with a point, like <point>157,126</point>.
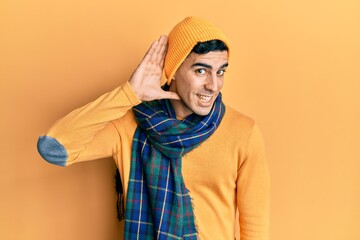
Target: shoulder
<point>236,127</point>
<point>237,121</point>
<point>126,124</point>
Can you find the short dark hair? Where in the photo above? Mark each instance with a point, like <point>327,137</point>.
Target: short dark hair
<point>208,46</point>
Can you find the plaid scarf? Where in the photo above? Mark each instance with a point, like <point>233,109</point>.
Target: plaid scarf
<point>158,205</point>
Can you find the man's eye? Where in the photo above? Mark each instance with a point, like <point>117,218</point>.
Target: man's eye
<point>221,72</point>
<point>200,71</point>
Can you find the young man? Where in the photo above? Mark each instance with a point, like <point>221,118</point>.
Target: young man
<point>186,161</point>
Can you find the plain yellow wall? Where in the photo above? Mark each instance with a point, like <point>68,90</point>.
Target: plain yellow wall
<point>295,68</point>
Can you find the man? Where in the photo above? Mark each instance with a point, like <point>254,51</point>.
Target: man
<point>186,161</point>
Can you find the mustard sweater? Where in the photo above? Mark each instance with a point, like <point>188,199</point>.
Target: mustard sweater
<point>225,173</point>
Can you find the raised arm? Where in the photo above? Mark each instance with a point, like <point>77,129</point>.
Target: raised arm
<point>87,133</point>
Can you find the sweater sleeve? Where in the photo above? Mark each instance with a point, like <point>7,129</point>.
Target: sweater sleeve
<point>253,190</point>
<point>87,133</point>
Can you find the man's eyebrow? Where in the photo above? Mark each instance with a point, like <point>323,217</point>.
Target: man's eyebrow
<point>207,65</point>
<point>224,65</point>
<point>201,65</point>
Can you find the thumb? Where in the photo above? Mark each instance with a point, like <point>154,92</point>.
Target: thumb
<point>169,95</point>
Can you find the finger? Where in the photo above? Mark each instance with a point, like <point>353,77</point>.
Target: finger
<point>163,54</point>
<point>156,57</point>
<point>162,49</point>
<point>149,54</point>
<point>163,59</point>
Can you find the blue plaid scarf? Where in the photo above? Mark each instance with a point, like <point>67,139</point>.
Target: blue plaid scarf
<point>158,205</point>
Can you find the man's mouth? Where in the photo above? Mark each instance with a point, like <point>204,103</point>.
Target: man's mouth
<point>204,98</point>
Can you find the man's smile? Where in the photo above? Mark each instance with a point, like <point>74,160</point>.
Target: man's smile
<point>204,98</point>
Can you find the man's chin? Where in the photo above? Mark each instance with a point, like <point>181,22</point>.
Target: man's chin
<point>202,111</point>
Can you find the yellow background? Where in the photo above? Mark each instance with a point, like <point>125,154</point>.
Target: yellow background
<point>295,68</point>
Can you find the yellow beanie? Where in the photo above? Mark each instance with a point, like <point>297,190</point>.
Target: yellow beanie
<point>183,38</point>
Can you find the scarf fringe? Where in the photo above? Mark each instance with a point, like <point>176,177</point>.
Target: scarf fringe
<point>195,219</point>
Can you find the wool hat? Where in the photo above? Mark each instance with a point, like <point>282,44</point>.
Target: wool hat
<point>183,38</point>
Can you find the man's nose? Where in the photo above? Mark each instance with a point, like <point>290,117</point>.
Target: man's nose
<point>212,83</point>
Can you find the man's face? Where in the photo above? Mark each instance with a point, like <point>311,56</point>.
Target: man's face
<point>198,81</point>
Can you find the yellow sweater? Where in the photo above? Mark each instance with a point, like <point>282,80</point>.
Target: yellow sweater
<point>225,173</point>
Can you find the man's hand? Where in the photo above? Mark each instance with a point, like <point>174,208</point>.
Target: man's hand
<point>145,80</point>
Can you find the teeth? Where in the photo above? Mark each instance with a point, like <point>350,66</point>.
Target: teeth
<point>204,98</point>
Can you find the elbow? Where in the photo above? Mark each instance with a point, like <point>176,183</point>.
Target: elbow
<point>52,151</point>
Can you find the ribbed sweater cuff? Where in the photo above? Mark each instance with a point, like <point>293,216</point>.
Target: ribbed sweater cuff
<point>134,100</point>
